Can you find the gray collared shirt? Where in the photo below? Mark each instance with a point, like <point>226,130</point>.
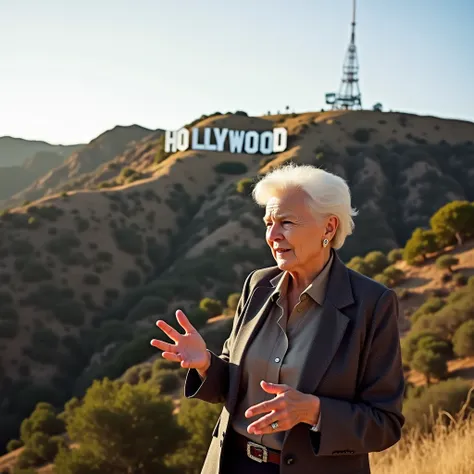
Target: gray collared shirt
<point>275,355</point>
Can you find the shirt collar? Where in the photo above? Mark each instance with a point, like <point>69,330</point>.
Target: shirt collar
<point>316,289</point>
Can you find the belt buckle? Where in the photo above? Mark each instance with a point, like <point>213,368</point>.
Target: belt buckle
<point>254,448</point>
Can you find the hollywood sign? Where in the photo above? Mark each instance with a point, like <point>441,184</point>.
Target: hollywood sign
<point>239,141</point>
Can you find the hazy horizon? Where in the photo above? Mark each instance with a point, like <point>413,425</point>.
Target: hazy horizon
<point>71,72</point>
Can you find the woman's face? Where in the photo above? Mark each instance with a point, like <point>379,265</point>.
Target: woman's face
<point>293,233</point>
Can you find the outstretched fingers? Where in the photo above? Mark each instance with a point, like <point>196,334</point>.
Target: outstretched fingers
<point>184,322</point>
<point>169,331</point>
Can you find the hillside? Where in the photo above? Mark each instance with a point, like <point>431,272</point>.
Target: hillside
<point>15,178</point>
<point>417,453</point>
<point>86,274</point>
<point>87,159</point>
<point>15,151</point>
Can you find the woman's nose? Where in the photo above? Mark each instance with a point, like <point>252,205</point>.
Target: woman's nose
<point>274,233</point>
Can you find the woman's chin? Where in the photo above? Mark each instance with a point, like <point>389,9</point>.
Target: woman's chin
<point>283,263</point>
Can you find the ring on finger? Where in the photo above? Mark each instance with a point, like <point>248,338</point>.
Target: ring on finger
<point>274,425</point>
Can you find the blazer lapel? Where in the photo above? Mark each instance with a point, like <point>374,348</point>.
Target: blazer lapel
<point>331,326</point>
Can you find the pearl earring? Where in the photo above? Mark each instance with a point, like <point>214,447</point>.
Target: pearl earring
<point>325,242</point>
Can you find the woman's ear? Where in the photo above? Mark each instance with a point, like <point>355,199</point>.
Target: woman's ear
<point>331,226</point>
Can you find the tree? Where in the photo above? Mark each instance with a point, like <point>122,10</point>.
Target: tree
<point>463,339</point>
<point>377,262</point>
<point>377,107</point>
<point>430,364</point>
<point>419,245</point>
<point>395,255</point>
<point>42,420</point>
<point>213,307</point>
<point>233,301</point>
<point>123,428</point>
<point>394,275</point>
<point>199,419</point>
<point>359,265</point>
<point>446,262</point>
<point>454,222</point>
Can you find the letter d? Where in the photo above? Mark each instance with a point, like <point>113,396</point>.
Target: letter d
<point>280,138</point>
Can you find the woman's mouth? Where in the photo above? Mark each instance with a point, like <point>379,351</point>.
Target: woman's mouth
<point>280,251</point>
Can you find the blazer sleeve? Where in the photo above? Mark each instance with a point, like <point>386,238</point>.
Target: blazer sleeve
<point>374,421</point>
<point>215,386</point>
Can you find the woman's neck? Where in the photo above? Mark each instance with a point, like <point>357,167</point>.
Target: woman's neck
<point>300,280</point>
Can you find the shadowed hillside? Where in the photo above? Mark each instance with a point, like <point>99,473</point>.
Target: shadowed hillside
<point>15,151</point>
<point>85,274</point>
<point>15,178</point>
<point>87,159</point>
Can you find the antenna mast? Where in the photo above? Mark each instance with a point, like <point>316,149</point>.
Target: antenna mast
<point>349,96</point>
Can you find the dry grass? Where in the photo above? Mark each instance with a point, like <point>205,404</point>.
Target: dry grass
<point>449,449</point>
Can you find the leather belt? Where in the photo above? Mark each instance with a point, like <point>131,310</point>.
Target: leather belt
<point>255,451</point>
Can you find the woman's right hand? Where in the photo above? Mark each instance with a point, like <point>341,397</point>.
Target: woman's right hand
<point>189,348</point>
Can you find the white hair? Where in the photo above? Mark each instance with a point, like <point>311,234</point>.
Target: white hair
<point>328,194</point>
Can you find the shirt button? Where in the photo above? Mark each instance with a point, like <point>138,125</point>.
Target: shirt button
<point>277,359</point>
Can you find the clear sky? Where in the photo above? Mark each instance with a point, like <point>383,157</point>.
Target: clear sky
<point>71,70</point>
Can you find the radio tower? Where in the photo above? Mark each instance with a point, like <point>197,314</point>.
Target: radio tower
<point>348,96</point>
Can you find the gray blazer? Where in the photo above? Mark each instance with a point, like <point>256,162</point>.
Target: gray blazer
<point>354,367</point>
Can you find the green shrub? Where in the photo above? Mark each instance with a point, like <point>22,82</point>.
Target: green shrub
<point>104,256</point>
<point>361,135</point>
<point>409,344</point>
<point>50,213</point>
<point>383,279</point>
<point>70,313</point>
<point>448,396</point>
<point>131,279</point>
<point>377,262</point>
<point>45,337</point>
<point>421,243</point>
<point>167,380</point>
<point>460,279</point>
<point>81,224</point>
<point>231,167</point>
<point>430,364</point>
<point>129,241</point>
<point>463,339</point>
<point>63,244</point>
<point>111,293</point>
<point>21,248</point>
<point>430,306</point>
<point>395,255</point>
<point>454,222</point>
<point>14,444</point>
<point>91,279</point>
<point>27,458</point>
<point>395,275</point>
<point>212,307</point>
<point>446,262</point>
<point>233,301</point>
<point>34,272</point>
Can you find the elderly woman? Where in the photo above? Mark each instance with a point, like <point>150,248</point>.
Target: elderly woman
<point>311,375</point>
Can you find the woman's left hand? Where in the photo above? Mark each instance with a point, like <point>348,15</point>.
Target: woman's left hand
<point>288,408</point>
